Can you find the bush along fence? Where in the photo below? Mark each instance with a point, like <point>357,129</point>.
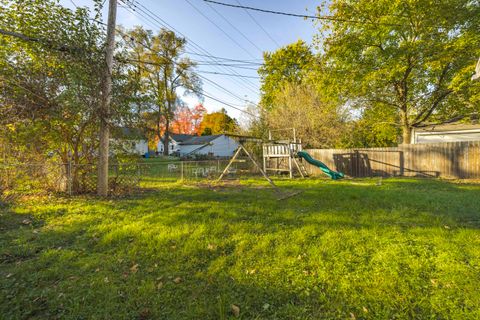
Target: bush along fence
<point>460,160</point>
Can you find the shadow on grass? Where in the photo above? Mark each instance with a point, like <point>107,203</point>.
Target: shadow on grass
<point>402,249</point>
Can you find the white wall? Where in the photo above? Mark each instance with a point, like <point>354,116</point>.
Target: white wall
<point>139,146</point>
<point>186,149</point>
<point>172,147</point>
<point>453,136</point>
<point>222,146</point>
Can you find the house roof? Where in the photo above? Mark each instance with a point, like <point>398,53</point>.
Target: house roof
<point>178,137</point>
<point>448,127</point>
<point>199,140</point>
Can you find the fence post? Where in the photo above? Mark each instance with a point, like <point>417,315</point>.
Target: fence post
<point>69,176</point>
<point>181,170</point>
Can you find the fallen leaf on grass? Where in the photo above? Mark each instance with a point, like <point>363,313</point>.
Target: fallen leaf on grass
<point>235,310</point>
<point>160,285</point>
<point>26,221</point>
<point>177,280</point>
<point>145,314</point>
<point>134,268</point>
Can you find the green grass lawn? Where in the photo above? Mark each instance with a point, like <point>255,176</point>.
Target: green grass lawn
<point>406,249</point>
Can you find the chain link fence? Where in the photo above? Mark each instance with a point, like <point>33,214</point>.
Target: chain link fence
<point>124,178</point>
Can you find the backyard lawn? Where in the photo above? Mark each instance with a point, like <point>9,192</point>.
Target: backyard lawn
<point>352,249</point>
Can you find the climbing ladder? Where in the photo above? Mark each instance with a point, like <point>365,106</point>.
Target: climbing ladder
<point>300,166</point>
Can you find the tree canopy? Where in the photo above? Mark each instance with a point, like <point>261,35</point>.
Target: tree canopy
<point>413,57</point>
<point>217,123</point>
<point>289,64</point>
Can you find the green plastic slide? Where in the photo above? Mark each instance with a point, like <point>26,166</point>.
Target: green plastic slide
<point>332,174</point>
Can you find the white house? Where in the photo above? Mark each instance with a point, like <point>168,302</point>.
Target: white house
<point>215,146</point>
<point>128,140</point>
<point>174,142</point>
<point>446,133</point>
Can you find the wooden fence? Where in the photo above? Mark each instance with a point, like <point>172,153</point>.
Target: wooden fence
<point>446,160</point>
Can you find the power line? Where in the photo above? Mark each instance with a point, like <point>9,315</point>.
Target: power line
<point>227,104</point>
<point>208,95</point>
<point>33,39</point>
<point>234,63</point>
<point>245,82</point>
<point>233,26</point>
<point>11,81</point>
<point>196,71</point>
<point>226,65</point>
<point>208,53</point>
<point>219,28</point>
<point>259,25</point>
<point>221,58</point>
<point>62,48</point>
<point>175,63</point>
<point>229,74</point>
<point>204,93</point>
<point>304,16</point>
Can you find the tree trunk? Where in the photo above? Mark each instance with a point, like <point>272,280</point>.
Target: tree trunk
<point>406,134</point>
<point>159,131</point>
<point>406,127</point>
<point>166,137</point>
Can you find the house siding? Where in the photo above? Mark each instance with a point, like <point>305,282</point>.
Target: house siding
<point>139,147</point>
<point>446,136</point>
<point>222,146</point>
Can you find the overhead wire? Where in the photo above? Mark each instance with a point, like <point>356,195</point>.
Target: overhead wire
<point>203,92</point>
<point>304,16</point>
<point>28,38</point>
<point>208,55</point>
<point>202,77</point>
<point>235,28</point>
<point>259,25</point>
<point>197,71</point>
<point>138,7</point>
<point>221,29</point>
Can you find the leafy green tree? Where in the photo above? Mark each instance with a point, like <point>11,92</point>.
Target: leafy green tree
<point>217,123</point>
<point>319,123</point>
<point>49,62</point>
<point>414,57</point>
<point>376,127</point>
<point>289,64</point>
<point>163,71</point>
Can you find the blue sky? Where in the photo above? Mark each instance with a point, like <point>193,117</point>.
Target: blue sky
<point>181,15</point>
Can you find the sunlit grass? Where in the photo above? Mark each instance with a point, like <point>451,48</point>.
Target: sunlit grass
<point>359,249</point>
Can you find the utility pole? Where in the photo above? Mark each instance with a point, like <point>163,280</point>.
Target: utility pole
<point>104,110</point>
